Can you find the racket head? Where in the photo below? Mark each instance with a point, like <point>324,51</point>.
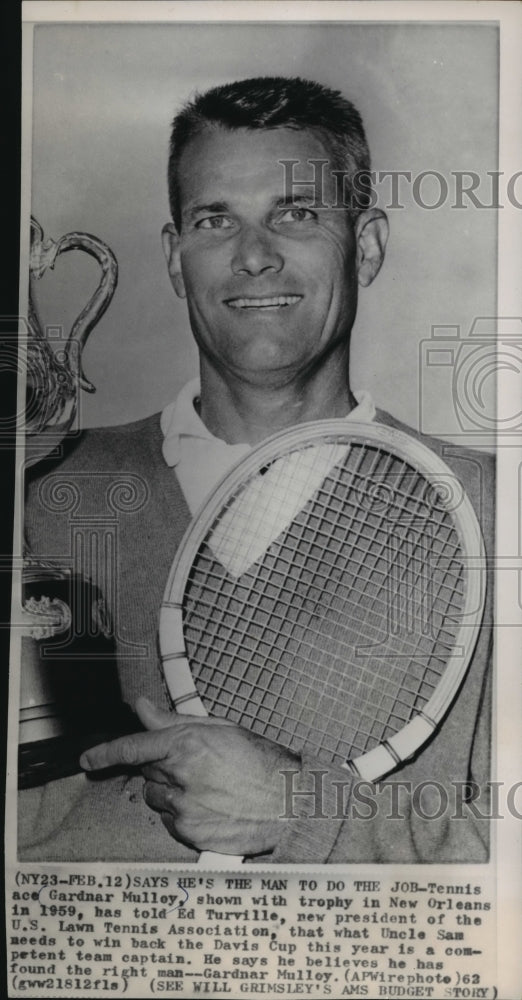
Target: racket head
<point>328,595</point>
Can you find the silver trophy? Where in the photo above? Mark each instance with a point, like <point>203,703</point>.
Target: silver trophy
<point>49,593</point>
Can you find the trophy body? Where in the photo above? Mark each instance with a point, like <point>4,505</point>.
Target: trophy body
<point>69,695</point>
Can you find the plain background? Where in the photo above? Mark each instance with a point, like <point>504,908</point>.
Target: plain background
<point>103,100</point>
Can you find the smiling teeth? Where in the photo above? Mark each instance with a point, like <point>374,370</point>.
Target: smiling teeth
<point>276,300</point>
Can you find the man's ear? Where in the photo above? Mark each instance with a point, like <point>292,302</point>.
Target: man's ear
<point>371,232</point>
<point>171,249</point>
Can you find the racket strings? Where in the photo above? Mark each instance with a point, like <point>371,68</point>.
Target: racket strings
<point>366,554</point>
<point>234,687</point>
<point>268,503</point>
<point>342,628</point>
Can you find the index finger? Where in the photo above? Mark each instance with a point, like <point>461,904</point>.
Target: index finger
<point>149,746</point>
<point>132,750</point>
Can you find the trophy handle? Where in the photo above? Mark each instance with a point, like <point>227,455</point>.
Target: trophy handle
<point>43,256</point>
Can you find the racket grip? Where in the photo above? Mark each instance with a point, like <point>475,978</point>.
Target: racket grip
<point>213,861</point>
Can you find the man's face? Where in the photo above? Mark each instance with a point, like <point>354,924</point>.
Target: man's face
<point>270,279</point>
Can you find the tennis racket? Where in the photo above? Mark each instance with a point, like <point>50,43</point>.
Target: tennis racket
<point>328,596</point>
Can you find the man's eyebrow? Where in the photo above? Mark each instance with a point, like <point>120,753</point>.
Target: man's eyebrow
<point>297,199</point>
<point>217,207</point>
<point>212,208</point>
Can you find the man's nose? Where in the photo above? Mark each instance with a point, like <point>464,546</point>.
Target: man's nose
<point>256,252</point>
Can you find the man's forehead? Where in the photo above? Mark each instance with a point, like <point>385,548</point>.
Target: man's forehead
<point>235,158</point>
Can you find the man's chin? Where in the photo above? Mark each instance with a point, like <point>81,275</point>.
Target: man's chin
<point>264,367</point>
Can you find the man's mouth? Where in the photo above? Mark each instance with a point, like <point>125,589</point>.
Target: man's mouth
<point>264,302</point>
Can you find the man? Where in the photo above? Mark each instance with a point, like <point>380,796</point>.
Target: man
<point>270,264</point>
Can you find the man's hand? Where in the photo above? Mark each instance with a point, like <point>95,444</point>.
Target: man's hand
<point>217,787</point>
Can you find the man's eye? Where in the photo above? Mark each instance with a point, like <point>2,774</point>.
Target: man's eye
<point>214,222</point>
<point>297,215</point>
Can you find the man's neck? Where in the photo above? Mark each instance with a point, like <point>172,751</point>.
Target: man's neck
<point>239,412</point>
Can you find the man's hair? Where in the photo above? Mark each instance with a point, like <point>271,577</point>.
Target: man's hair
<point>269,102</point>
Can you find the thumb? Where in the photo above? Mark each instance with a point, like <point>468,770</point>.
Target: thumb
<point>151,716</point>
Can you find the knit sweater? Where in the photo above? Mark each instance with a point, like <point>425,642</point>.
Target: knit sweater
<point>114,486</point>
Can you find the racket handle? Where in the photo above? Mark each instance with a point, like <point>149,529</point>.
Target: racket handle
<point>212,861</point>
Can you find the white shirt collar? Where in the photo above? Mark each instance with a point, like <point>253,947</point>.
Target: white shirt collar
<point>201,460</point>
<point>180,420</point>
